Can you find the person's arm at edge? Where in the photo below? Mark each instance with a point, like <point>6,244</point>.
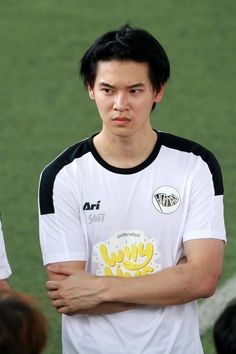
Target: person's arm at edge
<point>4,284</point>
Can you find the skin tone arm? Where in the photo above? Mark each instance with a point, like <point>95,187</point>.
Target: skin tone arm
<point>73,267</point>
<point>4,284</point>
<point>196,278</point>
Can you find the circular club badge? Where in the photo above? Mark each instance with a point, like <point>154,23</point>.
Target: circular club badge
<point>166,199</point>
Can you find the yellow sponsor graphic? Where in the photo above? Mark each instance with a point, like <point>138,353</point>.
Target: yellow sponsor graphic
<point>128,253</point>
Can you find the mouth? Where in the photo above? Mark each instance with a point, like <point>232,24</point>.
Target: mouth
<point>121,120</point>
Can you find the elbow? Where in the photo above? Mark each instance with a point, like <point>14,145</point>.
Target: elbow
<point>208,292</point>
<point>209,285</point>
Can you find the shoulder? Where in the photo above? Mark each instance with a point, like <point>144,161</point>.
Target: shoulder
<point>188,146</point>
<point>75,151</point>
<point>65,158</point>
<point>53,169</point>
<point>183,144</point>
<point>195,149</point>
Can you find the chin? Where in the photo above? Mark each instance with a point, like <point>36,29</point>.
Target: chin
<point>122,132</point>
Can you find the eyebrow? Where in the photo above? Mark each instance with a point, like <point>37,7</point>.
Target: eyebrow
<point>105,84</point>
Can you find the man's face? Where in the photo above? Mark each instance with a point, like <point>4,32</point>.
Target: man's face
<point>124,96</point>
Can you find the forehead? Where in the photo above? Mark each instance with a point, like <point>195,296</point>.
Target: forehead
<point>122,72</point>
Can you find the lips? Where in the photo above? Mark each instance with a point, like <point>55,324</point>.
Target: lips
<point>121,120</point>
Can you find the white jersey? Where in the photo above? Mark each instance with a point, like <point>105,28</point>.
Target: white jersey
<point>130,222</point>
<point>5,270</point>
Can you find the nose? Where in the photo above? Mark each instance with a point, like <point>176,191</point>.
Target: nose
<point>121,102</point>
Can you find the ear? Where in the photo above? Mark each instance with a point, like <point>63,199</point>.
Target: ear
<point>159,94</point>
<point>90,92</point>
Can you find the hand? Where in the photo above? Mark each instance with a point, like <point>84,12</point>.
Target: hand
<point>61,270</point>
<point>76,293</point>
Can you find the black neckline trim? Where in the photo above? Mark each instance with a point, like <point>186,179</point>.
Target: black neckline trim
<point>125,171</point>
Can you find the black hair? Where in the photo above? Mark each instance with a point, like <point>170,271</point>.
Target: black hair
<point>23,328</point>
<point>224,331</point>
<point>126,44</point>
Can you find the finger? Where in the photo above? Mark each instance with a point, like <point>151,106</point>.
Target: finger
<point>52,285</point>
<point>53,295</point>
<point>58,303</point>
<point>63,310</point>
<point>60,269</point>
<point>67,311</point>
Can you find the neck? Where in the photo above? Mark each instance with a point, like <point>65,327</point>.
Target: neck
<point>125,151</point>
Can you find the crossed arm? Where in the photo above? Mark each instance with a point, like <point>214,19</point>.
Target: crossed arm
<point>71,272</point>
<point>72,290</point>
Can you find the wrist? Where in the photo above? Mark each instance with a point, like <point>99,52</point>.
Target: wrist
<point>105,286</point>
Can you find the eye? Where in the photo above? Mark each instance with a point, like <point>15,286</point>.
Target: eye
<point>107,90</point>
<point>134,91</point>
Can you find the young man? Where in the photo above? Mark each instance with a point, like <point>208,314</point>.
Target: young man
<point>131,219</point>
<point>5,270</point>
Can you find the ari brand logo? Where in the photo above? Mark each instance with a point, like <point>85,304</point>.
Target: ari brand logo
<point>90,206</point>
<point>166,199</point>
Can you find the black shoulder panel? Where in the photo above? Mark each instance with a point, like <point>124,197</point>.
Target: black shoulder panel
<point>50,172</point>
<point>185,145</point>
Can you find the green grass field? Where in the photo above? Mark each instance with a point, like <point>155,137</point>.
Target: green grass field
<point>44,107</point>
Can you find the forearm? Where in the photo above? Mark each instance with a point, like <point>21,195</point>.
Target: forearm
<point>171,286</point>
<point>179,284</point>
<point>108,308</point>
<point>197,278</point>
<point>83,293</point>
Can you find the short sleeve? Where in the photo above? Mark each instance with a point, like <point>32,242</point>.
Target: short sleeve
<point>5,270</point>
<point>205,216</point>
<point>60,226</point>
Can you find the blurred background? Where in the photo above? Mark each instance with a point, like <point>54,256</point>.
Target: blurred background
<point>44,107</point>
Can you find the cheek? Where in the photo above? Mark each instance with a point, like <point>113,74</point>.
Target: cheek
<point>103,109</point>
<point>103,104</point>
<point>144,105</point>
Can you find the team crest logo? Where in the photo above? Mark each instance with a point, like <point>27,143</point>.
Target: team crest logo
<point>166,199</point>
